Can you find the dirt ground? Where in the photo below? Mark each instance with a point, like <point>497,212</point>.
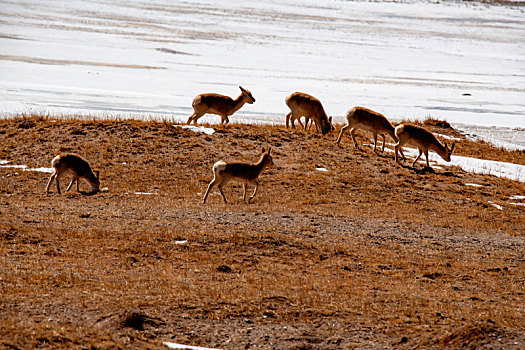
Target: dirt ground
<point>371,254</point>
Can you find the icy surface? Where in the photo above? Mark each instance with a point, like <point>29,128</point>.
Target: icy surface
<point>459,61</point>
<point>199,129</point>
<point>186,347</point>
<point>479,166</point>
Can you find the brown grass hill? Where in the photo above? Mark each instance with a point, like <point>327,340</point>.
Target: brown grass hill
<point>367,254</point>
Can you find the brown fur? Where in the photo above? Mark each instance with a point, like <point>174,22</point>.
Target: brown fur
<point>75,164</point>
<point>366,119</point>
<point>302,104</point>
<point>423,139</point>
<point>242,172</point>
<point>219,104</point>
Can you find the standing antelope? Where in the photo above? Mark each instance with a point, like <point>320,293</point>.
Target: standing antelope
<point>364,118</point>
<point>302,104</point>
<point>219,104</point>
<point>423,139</point>
<point>78,166</point>
<point>242,172</point>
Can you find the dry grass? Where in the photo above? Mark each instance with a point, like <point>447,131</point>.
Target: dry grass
<point>370,254</point>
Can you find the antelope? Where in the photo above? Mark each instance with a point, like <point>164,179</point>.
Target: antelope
<point>219,104</point>
<point>302,104</point>
<point>78,166</point>
<point>364,118</point>
<point>423,139</point>
<point>246,173</point>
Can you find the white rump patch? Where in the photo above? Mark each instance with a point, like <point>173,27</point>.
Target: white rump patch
<point>219,166</point>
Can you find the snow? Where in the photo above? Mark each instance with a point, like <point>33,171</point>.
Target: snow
<point>322,169</point>
<point>186,347</point>
<point>456,61</point>
<point>479,166</point>
<point>4,164</point>
<point>198,129</point>
<point>41,170</point>
<point>518,197</point>
<point>497,206</point>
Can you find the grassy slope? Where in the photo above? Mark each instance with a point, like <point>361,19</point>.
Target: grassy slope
<point>370,254</point>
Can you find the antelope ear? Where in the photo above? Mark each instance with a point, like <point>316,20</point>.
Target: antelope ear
<point>452,148</point>
<point>269,149</point>
<point>330,119</point>
<point>240,87</point>
<point>263,150</point>
<point>98,174</point>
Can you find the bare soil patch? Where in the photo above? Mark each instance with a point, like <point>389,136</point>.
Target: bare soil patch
<point>370,254</point>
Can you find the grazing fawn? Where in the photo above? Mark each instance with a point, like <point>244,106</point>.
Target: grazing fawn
<point>366,119</point>
<point>423,139</point>
<point>219,104</point>
<point>78,166</point>
<point>302,104</point>
<point>242,172</point>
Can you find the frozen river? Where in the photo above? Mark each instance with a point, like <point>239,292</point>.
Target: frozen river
<point>147,59</point>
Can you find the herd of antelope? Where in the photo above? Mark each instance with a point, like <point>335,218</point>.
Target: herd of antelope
<point>301,105</point>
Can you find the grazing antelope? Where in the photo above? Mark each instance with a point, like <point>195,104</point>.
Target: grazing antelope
<point>364,118</point>
<point>78,166</point>
<point>242,172</point>
<point>219,104</point>
<point>302,104</point>
<point>423,139</point>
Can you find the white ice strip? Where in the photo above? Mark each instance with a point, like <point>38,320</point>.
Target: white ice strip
<point>322,169</point>
<point>518,197</point>
<point>473,185</point>
<point>186,347</point>
<point>519,204</point>
<point>474,165</point>
<point>198,129</point>
<point>14,166</point>
<point>3,161</point>
<point>497,206</point>
<point>145,193</point>
<point>41,170</point>
<point>25,168</point>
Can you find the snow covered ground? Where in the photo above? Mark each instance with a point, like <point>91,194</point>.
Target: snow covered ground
<point>469,164</point>
<point>463,62</point>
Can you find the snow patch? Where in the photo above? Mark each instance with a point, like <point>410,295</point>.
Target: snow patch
<point>41,170</point>
<point>473,185</point>
<point>497,206</point>
<point>321,169</point>
<point>186,347</point>
<point>198,129</point>
<point>474,165</point>
<point>4,164</point>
